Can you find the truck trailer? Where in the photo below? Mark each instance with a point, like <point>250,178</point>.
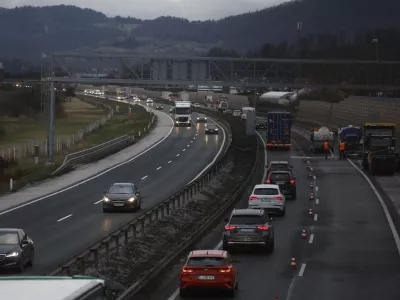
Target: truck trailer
<point>279,128</point>
<point>319,136</point>
<point>351,136</point>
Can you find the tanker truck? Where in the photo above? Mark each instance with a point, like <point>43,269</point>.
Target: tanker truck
<point>319,136</point>
<point>351,135</point>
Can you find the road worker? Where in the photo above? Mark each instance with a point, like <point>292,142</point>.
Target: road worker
<point>326,149</point>
<point>342,147</point>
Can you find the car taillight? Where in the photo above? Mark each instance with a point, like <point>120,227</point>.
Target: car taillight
<point>264,227</point>
<point>185,270</point>
<point>292,181</point>
<point>268,181</point>
<point>278,198</point>
<point>224,270</point>
<point>229,227</point>
<point>253,197</point>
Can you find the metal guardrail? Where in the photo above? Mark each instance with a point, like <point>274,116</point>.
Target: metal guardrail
<point>137,228</point>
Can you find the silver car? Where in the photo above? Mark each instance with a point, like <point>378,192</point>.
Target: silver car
<point>269,198</point>
<point>202,118</point>
<point>211,129</point>
<point>122,196</point>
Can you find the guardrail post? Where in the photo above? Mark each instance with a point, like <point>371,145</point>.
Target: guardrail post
<point>133,227</point>
<point>156,214</point>
<point>116,238</point>
<point>81,264</point>
<point>187,195</point>
<point>194,187</point>
<point>107,247</point>
<point>95,254</point>
<point>66,270</point>
<point>198,184</point>
<point>173,204</point>
<point>162,211</point>
<point>126,236</point>
<point>191,191</point>
<point>142,226</point>
<point>182,196</point>
<point>177,204</point>
<point>167,208</point>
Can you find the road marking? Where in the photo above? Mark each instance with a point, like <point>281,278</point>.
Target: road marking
<point>316,201</point>
<point>176,293</point>
<point>311,169</point>
<point>184,150</point>
<point>143,178</point>
<point>177,155</point>
<point>384,207</point>
<point>170,161</point>
<point>302,269</point>
<point>93,177</point>
<point>265,157</point>
<point>62,219</point>
<point>97,202</point>
<point>216,156</point>
<point>316,189</point>
<point>191,141</point>
<point>316,217</point>
<point>311,238</point>
<point>315,177</point>
<point>158,168</point>
<point>187,146</point>
<point>194,137</point>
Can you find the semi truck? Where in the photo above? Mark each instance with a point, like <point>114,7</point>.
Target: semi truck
<point>319,136</point>
<point>351,135</point>
<point>279,128</point>
<point>183,113</point>
<point>379,142</point>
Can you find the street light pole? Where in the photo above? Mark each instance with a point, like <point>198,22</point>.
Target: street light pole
<point>376,42</point>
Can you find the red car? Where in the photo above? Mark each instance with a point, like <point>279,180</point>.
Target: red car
<point>208,270</point>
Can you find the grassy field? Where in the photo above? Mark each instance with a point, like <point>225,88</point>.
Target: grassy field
<point>79,115</point>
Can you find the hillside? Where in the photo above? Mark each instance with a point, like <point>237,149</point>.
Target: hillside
<point>29,31</point>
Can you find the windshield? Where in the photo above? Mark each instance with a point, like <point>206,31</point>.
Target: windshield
<point>381,142</point>
<point>212,126</point>
<point>280,177</point>
<point>279,166</point>
<point>247,220</point>
<point>265,192</point>
<point>183,110</point>
<point>182,119</point>
<point>9,238</point>
<point>121,189</point>
<point>206,261</point>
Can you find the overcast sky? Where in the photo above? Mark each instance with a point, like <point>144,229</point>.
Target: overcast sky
<point>145,9</point>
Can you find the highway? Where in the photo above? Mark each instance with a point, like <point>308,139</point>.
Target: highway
<point>349,253</point>
<point>65,224</point>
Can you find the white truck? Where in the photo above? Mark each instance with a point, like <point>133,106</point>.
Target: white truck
<point>319,136</point>
<point>165,95</point>
<point>245,109</point>
<point>183,113</point>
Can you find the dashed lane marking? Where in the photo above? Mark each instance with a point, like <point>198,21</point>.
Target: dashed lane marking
<point>316,217</point>
<point>170,161</point>
<point>315,177</point>
<point>316,201</point>
<point>311,238</point>
<point>177,155</point>
<point>158,168</point>
<point>66,217</point>
<point>302,269</point>
<point>97,202</point>
<point>143,178</point>
<point>184,150</point>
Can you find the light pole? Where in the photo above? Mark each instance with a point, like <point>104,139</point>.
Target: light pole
<point>376,42</point>
<point>299,29</point>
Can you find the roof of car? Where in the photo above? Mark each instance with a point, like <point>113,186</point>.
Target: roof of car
<point>208,253</point>
<point>13,230</point>
<point>279,162</point>
<point>266,186</point>
<point>281,172</point>
<point>248,211</point>
<point>122,183</point>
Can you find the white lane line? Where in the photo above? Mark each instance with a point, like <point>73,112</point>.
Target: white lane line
<point>143,178</point>
<point>216,156</point>
<point>97,202</point>
<point>62,219</point>
<point>302,269</point>
<point>93,177</point>
<point>184,150</point>
<point>384,207</point>
<point>191,141</point>
<point>194,137</point>
<point>311,238</point>
<point>170,161</point>
<point>177,155</point>
<point>316,201</point>
<point>176,293</point>
<point>265,157</point>
<point>158,168</point>
<point>316,189</point>
<point>316,217</point>
<point>187,146</point>
<point>315,177</point>
<point>311,169</point>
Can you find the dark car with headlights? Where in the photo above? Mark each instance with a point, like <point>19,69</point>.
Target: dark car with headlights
<point>122,196</point>
<point>202,118</point>
<point>159,107</point>
<point>249,227</point>
<point>261,125</point>
<point>16,249</point>
<point>211,129</point>
<point>285,180</point>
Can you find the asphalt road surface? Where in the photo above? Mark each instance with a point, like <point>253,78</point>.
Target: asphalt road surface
<point>64,225</point>
<point>349,251</point>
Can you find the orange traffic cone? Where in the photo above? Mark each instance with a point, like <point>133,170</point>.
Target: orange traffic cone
<point>312,196</point>
<point>276,297</point>
<point>293,263</point>
<point>310,212</point>
<point>303,234</point>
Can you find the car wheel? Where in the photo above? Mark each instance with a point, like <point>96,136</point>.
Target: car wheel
<point>32,260</point>
<point>140,204</point>
<point>271,247</point>
<point>105,210</point>
<point>237,285</point>
<point>294,196</point>
<point>21,266</point>
<point>232,292</point>
<point>283,212</point>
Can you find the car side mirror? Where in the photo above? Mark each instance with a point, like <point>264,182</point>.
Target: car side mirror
<point>137,193</point>
<point>24,242</point>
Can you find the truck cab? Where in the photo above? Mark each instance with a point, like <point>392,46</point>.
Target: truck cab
<point>183,113</point>
<point>379,142</point>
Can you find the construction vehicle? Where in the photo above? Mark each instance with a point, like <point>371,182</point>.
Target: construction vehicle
<point>319,136</point>
<point>351,136</point>
<point>379,142</point>
<point>279,127</point>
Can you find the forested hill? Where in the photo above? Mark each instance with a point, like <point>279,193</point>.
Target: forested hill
<point>29,31</point>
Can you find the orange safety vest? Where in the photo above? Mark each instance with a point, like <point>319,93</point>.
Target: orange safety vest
<point>326,146</point>
<point>341,146</point>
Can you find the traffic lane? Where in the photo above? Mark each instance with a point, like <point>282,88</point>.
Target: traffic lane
<point>89,224</point>
<point>265,276</point>
<point>353,255</point>
<point>36,215</point>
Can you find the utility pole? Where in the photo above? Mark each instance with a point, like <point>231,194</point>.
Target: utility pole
<point>52,109</point>
<point>299,29</point>
<point>376,42</point>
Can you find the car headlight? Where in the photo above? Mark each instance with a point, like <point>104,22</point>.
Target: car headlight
<point>12,254</point>
<point>105,199</point>
<point>198,118</point>
<point>131,199</point>
<point>205,118</point>
<point>216,129</point>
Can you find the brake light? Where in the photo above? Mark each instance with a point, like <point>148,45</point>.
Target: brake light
<point>184,270</point>
<point>278,198</point>
<point>264,227</point>
<point>224,270</point>
<point>287,145</point>
<point>229,227</point>
<point>268,181</point>
<point>292,181</point>
<point>253,197</point>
